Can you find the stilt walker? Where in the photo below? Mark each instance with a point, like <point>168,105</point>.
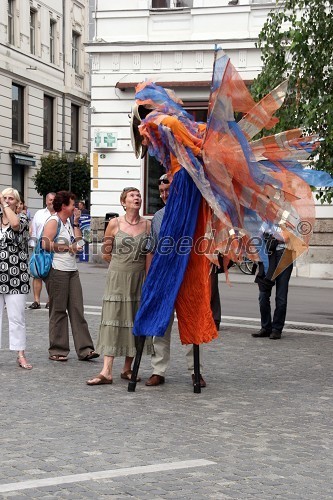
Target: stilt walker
<point>224,186</point>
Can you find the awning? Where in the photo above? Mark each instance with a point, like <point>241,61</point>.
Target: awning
<point>166,80</point>
<point>25,160</point>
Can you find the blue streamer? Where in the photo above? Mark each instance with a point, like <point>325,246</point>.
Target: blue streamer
<point>256,173</point>
<point>168,267</point>
<point>313,177</point>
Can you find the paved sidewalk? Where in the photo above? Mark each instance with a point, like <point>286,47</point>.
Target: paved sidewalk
<point>264,420</point>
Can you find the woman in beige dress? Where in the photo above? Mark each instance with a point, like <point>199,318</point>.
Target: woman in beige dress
<point>124,247</point>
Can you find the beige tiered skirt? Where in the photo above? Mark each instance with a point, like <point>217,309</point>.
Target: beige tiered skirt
<point>120,304</point>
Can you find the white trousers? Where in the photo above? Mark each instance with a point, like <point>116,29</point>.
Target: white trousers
<point>16,319</point>
<point>161,358</point>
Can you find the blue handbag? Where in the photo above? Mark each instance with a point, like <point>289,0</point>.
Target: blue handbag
<point>41,260</point>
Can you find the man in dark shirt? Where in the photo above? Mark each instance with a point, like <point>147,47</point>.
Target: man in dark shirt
<point>272,328</point>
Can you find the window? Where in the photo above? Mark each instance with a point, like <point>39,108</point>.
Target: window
<point>183,3</point>
<point>18,174</point>
<point>33,31</point>
<point>48,122</point>
<point>170,4</point>
<point>154,170</point>
<point>52,41</point>
<point>10,31</point>
<point>75,51</point>
<point>160,4</point>
<point>75,126</point>
<point>17,113</point>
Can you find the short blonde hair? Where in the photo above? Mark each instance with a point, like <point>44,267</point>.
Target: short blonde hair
<point>13,192</point>
<point>125,192</point>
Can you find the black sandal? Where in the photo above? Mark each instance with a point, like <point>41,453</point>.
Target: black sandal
<point>90,356</point>
<point>34,305</point>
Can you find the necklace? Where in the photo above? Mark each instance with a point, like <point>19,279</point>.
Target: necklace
<point>132,223</point>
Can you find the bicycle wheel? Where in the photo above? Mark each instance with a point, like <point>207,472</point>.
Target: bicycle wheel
<point>246,266</point>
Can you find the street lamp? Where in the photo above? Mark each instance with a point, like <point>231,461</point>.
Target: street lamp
<point>70,157</point>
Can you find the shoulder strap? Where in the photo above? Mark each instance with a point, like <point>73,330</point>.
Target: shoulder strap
<point>39,243</point>
<point>58,229</point>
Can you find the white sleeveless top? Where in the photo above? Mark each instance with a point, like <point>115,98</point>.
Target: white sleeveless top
<point>64,261</point>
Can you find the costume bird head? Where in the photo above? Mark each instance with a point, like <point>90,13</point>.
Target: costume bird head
<point>152,98</point>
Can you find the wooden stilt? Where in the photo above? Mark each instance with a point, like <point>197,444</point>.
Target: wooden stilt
<point>140,343</point>
<point>196,360</point>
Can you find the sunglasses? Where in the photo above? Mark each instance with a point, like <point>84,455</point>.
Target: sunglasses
<point>163,181</point>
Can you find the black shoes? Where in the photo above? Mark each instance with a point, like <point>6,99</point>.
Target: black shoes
<point>262,333</point>
<point>275,335</point>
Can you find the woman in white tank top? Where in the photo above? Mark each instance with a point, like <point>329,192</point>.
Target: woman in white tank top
<point>63,282</point>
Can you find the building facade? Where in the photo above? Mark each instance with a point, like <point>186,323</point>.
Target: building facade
<point>44,91</point>
<point>172,43</point>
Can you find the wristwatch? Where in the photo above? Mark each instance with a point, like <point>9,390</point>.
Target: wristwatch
<point>76,225</point>
<point>80,243</point>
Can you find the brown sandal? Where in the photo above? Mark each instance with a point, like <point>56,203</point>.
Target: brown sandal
<point>57,357</point>
<point>101,380</point>
<point>128,375</point>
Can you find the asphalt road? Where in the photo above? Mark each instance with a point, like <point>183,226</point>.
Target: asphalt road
<point>305,304</point>
<point>309,301</point>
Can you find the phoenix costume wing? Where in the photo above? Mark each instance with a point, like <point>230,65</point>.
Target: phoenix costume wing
<point>224,188</point>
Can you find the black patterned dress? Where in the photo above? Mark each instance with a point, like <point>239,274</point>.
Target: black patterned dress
<point>14,258</point>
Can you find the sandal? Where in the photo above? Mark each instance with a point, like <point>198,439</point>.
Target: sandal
<point>26,366</point>
<point>100,380</point>
<point>90,356</point>
<point>34,305</point>
<point>128,375</point>
<point>58,357</point>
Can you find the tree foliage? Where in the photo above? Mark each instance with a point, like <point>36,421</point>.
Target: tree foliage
<point>297,43</point>
<point>54,175</point>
